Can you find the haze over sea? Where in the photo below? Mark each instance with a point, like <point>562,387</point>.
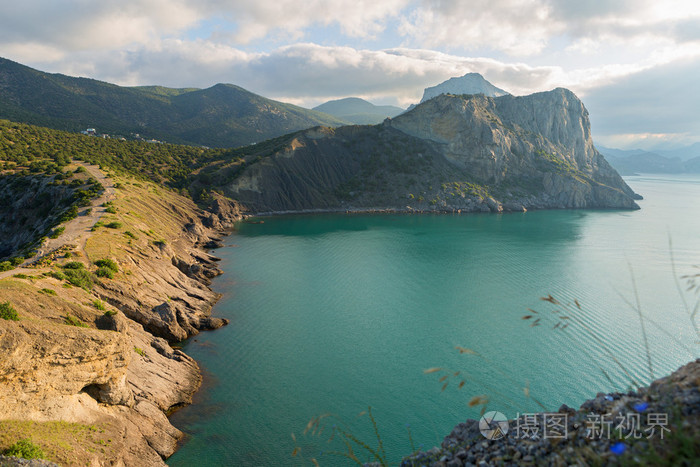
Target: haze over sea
<point>334,313</point>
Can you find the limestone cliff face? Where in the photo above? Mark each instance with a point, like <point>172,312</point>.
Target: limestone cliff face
<point>468,153</point>
<point>41,361</point>
<point>543,138</point>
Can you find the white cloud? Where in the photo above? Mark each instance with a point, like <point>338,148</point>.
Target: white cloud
<point>517,27</point>
<point>357,18</point>
<point>74,25</point>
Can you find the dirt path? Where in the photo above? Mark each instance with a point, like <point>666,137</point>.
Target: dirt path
<point>77,230</point>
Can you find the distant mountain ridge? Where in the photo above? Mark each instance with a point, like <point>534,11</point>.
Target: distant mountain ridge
<point>223,115</point>
<point>471,83</point>
<point>358,111</point>
<point>630,162</point>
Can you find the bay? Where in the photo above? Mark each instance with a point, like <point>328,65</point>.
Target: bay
<point>331,314</point>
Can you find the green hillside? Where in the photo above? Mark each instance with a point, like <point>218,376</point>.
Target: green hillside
<point>222,116</point>
<point>31,149</point>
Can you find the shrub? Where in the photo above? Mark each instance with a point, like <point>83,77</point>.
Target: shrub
<point>48,291</point>
<point>24,449</point>
<point>69,214</point>
<point>20,276</point>
<point>73,265</point>
<point>130,235</point>
<point>139,351</point>
<point>105,272</point>
<point>58,231</point>
<point>80,170</point>
<point>114,225</point>
<point>110,313</point>
<point>73,321</point>
<point>6,266</point>
<point>99,304</point>
<point>8,312</point>
<point>79,278</point>
<point>111,209</point>
<point>107,263</point>
<point>17,260</point>
<point>57,275</point>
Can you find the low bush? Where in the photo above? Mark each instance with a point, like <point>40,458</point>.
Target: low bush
<point>24,449</point>
<point>79,278</point>
<point>74,265</point>
<point>47,291</point>
<point>69,214</point>
<point>8,312</point>
<point>105,273</point>
<point>114,225</point>
<point>57,231</point>
<point>107,263</point>
<point>57,275</point>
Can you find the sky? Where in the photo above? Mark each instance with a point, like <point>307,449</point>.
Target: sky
<point>634,63</point>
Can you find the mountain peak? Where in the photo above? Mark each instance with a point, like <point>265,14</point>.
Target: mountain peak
<point>471,83</point>
<point>358,111</point>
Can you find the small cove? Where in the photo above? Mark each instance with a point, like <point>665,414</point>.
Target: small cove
<point>334,313</point>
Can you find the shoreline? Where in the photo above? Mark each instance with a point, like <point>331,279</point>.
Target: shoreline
<point>412,211</point>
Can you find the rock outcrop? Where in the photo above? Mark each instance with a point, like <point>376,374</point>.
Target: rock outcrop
<point>471,83</point>
<point>45,361</point>
<point>451,153</point>
<point>674,401</point>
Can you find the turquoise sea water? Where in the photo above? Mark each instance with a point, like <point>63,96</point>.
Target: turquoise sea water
<point>335,313</point>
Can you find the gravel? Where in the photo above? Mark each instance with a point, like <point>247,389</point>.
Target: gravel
<point>670,404</point>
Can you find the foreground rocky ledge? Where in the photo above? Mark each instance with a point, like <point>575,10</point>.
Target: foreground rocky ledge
<point>670,405</point>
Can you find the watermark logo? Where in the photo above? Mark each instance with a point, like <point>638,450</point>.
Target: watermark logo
<point>493,425</point>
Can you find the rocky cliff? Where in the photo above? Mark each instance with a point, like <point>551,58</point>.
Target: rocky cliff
<point>451,153</point>
<point>29,206</point>
<point>88,361</point>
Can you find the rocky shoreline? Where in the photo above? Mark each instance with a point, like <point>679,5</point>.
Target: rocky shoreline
<point>639,427</point>
<point>114,369</point>
<point>466,205</point>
